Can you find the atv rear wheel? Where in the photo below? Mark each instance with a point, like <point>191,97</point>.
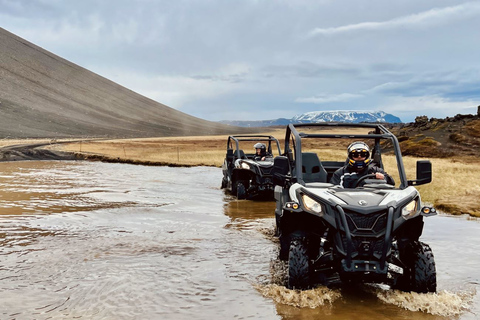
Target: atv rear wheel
<point>298,265</point>
<point>241,192</point>
<point>420,274</point>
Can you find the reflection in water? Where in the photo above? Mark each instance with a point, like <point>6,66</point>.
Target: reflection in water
<point>113,241</point>
<point>250,214</point>
<point>44,187</point>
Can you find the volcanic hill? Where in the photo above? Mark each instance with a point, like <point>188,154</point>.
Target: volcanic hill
<point>450,137</point>
<point>45,96</point>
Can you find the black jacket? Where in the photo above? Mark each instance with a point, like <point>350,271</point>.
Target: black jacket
<point>257,157</point>
<point>347,177</point>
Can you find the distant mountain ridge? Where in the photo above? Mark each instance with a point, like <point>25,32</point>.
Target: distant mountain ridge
<point>322,116</point>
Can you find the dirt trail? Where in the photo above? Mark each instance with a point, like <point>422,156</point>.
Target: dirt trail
<point>34,152</point>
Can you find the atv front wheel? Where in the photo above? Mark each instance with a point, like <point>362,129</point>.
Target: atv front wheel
<point>241,192</point>
<point>420,274</point>
<point>224,183</point>
<point>298,265</point>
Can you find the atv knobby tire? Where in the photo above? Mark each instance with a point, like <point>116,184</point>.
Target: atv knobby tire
<point>241,191</point>
<point>298,265</point>
<point>420,274</point>
<point>224,183</point>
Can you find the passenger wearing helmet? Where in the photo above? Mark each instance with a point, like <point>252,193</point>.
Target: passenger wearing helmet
<point>358,165</point>
<point>260,152</point>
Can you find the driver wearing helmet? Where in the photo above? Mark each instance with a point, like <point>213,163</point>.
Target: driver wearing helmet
<point>359,164</point>
<point>260,152</point>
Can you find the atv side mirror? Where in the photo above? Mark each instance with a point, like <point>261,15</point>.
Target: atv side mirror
<point>424,173</point>
<point>280,170</point>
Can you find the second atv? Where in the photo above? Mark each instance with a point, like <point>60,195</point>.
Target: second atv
<point>249,175</point>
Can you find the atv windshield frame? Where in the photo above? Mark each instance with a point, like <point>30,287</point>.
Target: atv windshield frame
<point>293,142</point>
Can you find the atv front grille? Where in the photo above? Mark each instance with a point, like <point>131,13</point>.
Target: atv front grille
<point>371,224</point>
<point>266,171</point>
<point>367,233</point>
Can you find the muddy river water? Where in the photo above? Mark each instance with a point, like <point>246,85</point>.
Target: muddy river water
<point>91,240</point>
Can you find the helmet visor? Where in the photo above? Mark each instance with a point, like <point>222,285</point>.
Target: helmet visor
<point>359,154</point>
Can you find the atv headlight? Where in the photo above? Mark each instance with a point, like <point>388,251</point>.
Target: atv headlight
<point>245,165</point>
<point>411,209</point>
<point>312,205</point>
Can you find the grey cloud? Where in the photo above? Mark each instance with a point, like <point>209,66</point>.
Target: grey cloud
<point>232,78</point>
<point>445,84</point>
<point>327,98</point>
<point>306,69</point>
<point>429,18</point>
<point>27,8</point>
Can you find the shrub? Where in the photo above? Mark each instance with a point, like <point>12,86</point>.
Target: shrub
<point>473,128</point>
<point>457,138</point>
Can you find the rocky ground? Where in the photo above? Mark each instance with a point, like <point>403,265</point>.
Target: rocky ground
<point>457,136</point>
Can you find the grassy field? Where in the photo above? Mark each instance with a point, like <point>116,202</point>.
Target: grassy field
<point>455,188</point>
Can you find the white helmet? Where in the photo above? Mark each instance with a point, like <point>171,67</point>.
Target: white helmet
<point>356,149</point>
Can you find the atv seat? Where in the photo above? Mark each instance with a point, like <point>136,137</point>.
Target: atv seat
<point>312,168</point>
<point>229,155</point>
<point>239,154</point>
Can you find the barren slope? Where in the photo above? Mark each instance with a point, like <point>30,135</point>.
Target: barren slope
<point>43,95</point>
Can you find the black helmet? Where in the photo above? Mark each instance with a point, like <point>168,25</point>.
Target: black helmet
<point>261,146</point>
<point>354,150</point>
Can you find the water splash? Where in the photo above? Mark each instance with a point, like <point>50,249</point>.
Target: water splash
<point>312,298</point>
<point>443,303</point>
<point>276,290</point>
<point>268,230</point>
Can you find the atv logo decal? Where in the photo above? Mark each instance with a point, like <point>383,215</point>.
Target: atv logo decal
<point>362,202</point>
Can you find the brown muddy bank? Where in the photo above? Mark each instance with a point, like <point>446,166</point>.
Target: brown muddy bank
<point>34,152</point>
<point>42,152</point>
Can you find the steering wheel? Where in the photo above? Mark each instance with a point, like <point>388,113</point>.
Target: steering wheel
<point>370,175</point>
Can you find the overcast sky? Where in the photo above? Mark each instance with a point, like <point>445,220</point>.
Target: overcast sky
<point>268,59</point>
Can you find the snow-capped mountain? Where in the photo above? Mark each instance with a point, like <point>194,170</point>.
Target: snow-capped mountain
<point>345,116</point>
<point>322,116</point>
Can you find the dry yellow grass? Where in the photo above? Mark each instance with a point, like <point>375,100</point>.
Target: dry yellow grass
<point>190,151</point>
<point>455,186</point>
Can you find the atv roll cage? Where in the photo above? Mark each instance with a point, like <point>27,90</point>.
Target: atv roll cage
<point>293,141</point>
<point>235,152</point>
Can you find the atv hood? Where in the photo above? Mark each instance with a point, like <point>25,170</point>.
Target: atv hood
<point>359,197</point>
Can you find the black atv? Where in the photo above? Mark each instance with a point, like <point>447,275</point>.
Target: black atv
<point>332,236</point>
<point>247,175</point>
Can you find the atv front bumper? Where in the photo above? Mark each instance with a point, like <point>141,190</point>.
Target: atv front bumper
<point>370,270</point>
